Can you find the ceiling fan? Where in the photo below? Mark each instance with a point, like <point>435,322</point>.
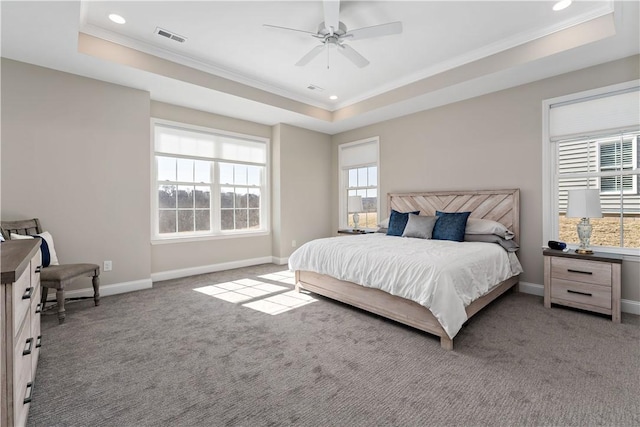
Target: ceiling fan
<point>333,32</point>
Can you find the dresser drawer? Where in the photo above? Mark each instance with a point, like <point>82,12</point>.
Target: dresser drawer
<point>22,365</point>
<point>21,295</point>
<point>35,330</point>
<point>581,293</point>
<point>579,270</point>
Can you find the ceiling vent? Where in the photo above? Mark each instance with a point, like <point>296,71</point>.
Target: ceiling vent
<point>168,34</point>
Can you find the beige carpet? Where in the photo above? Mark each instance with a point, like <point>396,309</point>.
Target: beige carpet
<point>172,356</point>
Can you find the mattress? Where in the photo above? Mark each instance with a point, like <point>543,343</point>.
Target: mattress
<point>441,275</point>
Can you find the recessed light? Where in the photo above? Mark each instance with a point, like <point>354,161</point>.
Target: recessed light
<point>333,97</point>
<point>117,18</point>
<point>562,4</point>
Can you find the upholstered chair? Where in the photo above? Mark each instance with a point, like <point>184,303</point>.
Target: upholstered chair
<point>54,276</point>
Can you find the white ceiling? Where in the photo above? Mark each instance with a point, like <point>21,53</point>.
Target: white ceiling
<point>227,39</point>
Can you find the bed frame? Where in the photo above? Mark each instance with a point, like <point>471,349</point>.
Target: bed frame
<point>498,205</point>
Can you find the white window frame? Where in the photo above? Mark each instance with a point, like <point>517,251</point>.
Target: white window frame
<point>215,232</point>
<point>550,208</point>
<point>343,178</point>
<point>634,162</point>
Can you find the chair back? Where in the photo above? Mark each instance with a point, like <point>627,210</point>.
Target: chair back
<point>25,226</point>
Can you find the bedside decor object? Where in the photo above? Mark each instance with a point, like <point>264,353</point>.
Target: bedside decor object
<point>585,204</point>
<point>354,205</point>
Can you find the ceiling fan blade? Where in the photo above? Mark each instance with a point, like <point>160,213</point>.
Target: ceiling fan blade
<point>331,15</point>
<point>352,55</point>
<point>375,31</point>
<point>288,29</point>
<point>309,56</point>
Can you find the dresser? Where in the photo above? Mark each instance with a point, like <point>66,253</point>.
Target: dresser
<point>20,327</point>
<point>588,282</point>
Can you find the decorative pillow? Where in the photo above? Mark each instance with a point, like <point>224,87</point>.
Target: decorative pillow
<point>487,226</point>
<point>507,244</point>
<point>49,256</point>
<point>397,222</point>
<point>450,226</point>
<point>420,227</point>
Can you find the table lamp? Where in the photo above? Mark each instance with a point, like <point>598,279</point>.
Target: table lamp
<point>354,205</point>
<point>584,203</point>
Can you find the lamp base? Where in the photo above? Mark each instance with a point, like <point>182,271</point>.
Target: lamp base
<point>584,251</point>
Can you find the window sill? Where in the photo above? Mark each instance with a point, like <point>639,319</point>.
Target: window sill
<point>190,239</point>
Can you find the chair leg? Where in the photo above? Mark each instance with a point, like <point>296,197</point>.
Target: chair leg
<point>60,300</point>
<point>43,297</point>
<point>96,289</point>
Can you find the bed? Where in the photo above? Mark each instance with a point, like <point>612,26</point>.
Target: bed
<point>501,206</point>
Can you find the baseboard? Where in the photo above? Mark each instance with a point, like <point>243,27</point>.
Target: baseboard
<point>212,268</point>
<point>280,261</point>
<point>626,305</point>
<point>531,288</point>
<point>106,290</point>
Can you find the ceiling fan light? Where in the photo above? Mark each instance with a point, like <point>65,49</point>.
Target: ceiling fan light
<point>117,18</point>
<point>562,4</point>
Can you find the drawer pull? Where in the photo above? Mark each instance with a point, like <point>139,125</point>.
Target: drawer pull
<point>579,271</point>
<point>586,294</point>
<point>27,294</point>
<point>39,341</point>
<point>38,269</point>
<point>27,347</point>
<point>39,308</point>
<point>27,398</point>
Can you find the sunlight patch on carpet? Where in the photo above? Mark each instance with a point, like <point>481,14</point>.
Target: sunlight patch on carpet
<point>264,297</point>
<point>284,276</point>
<point>240,290</point>
<point>280,303</point>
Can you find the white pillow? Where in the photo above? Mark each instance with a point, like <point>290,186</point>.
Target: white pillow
<point>487,226</point>
<point>48,238</point>
<point>384,223</point>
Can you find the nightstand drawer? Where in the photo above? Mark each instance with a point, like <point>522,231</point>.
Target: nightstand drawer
<point>579,270</point>
<point>581,293</point>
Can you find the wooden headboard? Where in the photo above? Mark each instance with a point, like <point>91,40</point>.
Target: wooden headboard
<point>502,206</point>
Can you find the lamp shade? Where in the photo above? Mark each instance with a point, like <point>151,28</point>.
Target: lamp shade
<point>354,204</point>
<point>584,203</point>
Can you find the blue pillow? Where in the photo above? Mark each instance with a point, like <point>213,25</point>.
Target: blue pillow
<point>398,221</point>
<point>44,248</point>
<point>450,226</point>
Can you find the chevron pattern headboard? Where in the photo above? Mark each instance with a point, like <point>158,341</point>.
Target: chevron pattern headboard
<point>502,206</point>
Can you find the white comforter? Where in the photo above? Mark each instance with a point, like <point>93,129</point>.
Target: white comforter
<point>441,275</point>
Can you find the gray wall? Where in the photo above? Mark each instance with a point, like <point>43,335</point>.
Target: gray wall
<point>492,141</point>
<point>75,153</point>
<point>303,194</point>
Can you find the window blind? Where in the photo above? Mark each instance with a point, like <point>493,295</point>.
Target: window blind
<point>359,154</point>
<point>172,140</point>
<point>613,112</point>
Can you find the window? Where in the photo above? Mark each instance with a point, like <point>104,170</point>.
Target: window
<point>618,154</point>
<point>359,177</point>
<point>208,182</point>
<point>591,141</point>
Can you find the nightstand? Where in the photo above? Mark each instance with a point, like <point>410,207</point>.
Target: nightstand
<point>588,282</point>
<point>352,231</point>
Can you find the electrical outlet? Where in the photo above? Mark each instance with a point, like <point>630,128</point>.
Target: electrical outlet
<point>107,266</point>
<point>293,244</point>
